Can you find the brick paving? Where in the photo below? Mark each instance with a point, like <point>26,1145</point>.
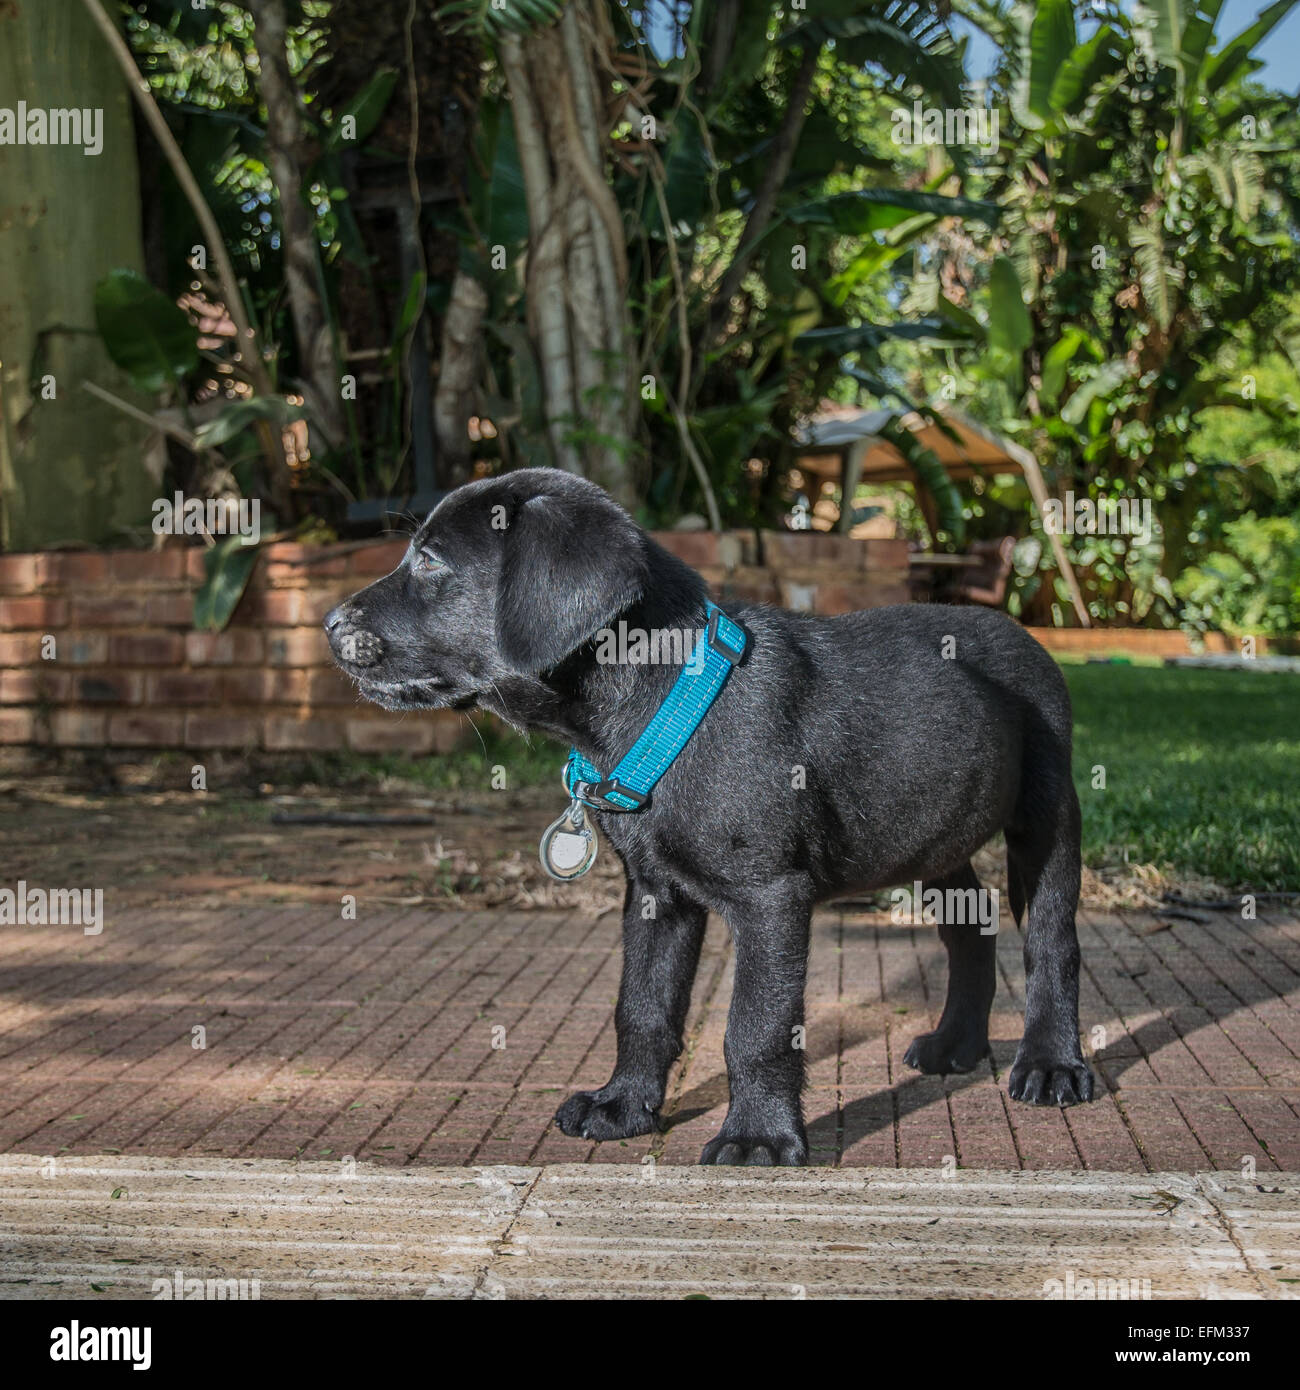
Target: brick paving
<point>411,1037</point>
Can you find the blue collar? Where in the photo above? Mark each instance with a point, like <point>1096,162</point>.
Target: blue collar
<point>628,787</point>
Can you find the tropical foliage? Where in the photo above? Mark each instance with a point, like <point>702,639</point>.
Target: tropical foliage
<point>732,207</point>
<point>1142,276</point>
<point>732,247</point>
<point>647,243</point>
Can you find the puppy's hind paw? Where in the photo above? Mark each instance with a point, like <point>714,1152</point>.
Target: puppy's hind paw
<point>601,1115</point>
<point>1038,1081</point>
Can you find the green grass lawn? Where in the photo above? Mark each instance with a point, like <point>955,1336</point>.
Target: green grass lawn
<point>1202,770</point>
<point>534,761</point>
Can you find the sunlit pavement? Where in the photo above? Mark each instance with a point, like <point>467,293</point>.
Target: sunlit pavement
<point>415,1038</point>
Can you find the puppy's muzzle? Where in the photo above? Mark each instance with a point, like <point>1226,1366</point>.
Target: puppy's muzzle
<point>352,644</point>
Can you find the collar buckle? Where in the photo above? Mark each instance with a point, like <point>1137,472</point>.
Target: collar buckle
<point>720,644</point>
<point>598,794</point>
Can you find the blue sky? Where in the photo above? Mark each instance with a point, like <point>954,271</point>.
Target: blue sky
<point>1280,51</point>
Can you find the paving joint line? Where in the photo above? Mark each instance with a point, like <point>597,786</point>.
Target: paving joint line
<point>1209,1190</point>
<point>499,1245</point>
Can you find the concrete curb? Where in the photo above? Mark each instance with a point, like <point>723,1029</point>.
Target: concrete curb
<point>355,1230</point>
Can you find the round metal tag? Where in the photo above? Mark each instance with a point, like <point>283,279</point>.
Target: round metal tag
<point>568,847</point>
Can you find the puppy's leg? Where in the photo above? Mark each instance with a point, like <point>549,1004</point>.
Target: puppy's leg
<point>1049,1068</point>
<point>660,955</point>
<point>961,1040</point>
<point>764,1043</point>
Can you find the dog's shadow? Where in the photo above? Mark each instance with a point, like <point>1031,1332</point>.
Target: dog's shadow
<point>860,1117</point>
<point>839,1129</point>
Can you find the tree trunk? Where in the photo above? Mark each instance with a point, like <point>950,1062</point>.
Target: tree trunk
<point>576,277</point>
<point>780,157</point>
<point>317,357</point>
<point>434,106</point>
<point>460,358</point>
<point>71,467</point>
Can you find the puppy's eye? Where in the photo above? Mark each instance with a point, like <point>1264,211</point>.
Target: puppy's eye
<point>427,562</point>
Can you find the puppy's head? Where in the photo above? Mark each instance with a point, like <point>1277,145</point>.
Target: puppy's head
<point>506,577</point>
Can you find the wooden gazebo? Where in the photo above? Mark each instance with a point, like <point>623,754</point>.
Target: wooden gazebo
<point>853,448</point>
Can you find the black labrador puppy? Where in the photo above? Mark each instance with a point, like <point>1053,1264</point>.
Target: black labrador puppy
<point>841,755</point>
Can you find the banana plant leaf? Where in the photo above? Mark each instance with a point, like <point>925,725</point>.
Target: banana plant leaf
<point>879,388</point>
<point>227,567</point>
<point>932,476</point>
<point>1048,38</point>
<point>1223,66</point>
<point>867,337</point>
<point>146,334</point>
<point>867,210</point>
<point>1077,77</point>
<point>688,175</point>
<point>1009,328</point>
<point>749,51</point>
<point>238,415</point>
<point>504,209</point>
<point>1103,381</point>
<point>364,110</point>
<point>1057,359</point>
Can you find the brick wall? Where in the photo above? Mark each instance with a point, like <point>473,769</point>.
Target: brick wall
<point>127,670</point>
<point>803,570</point>
<point>1135,641</point>
<point>833,574</point>
<point>98,650</point>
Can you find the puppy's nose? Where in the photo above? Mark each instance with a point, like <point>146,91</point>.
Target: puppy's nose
<point>351,644</point>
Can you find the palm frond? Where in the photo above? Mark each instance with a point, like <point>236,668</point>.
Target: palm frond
<point>1160,276</point>
<point>907,40</point>
<point>492,20</point>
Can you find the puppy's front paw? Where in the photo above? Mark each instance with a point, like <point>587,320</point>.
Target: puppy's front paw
<point>605,1114</point>
<point>939,1053</point>
<point>1042,1080</point>
<point>788,1150</point>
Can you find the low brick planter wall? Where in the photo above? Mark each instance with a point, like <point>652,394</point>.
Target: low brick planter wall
<point>807,571</point>
<point>97,649</point>
<point>1136,641</point>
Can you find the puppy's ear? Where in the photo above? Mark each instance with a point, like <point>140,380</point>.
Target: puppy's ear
<point>570,567</point>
